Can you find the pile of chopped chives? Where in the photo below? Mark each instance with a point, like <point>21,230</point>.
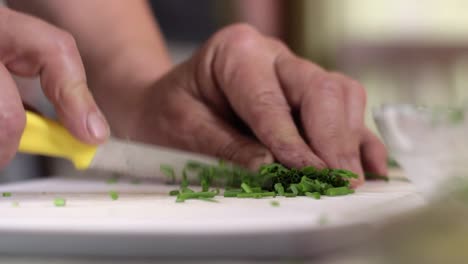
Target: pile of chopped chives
<point>270,180</point>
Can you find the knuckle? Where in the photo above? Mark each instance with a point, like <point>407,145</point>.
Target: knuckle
<point>330,87</point>
<point>241,37</point>
<point>268,101</point>
<point>64,42</point>
<point>231,149</point>
<point>355,88</point>
<point>359,91</point>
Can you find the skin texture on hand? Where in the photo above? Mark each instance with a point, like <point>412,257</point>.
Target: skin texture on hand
<point>121,46</point>
<point>243,96</point>
<point>31,47</point>
<point>296,112</point>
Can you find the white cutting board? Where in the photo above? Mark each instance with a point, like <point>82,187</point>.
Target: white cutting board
<point>146,221</point>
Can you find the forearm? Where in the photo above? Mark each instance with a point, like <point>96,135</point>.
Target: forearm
<point>120,44</point>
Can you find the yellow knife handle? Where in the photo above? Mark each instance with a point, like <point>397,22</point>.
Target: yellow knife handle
<point>46,137</point>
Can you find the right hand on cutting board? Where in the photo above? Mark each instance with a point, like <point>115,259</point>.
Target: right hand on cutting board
<point>31,47</point>
<point>246,97</point>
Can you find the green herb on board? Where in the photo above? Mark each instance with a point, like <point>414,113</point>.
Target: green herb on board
<point>275,203</point>
<point>168,171</point>
<point>59,202</point>
<point>114,195</point>
<point>270,180</point>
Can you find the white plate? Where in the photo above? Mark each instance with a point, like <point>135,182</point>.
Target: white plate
<point>144,221</point>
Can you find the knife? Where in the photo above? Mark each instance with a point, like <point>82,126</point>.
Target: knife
<point>46,137</point>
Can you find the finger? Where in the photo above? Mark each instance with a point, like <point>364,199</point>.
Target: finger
<point>225,142</point>
<point>30,47</point>
<point>373,154</point>
<point>204,131</point>
<point>12,117</point>
<point>355,103</point>
<point>243,69</point>
<point>320,98</point>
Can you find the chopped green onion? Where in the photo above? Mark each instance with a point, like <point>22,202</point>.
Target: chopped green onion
<point>231,193</point>
<point>187,190</point>
<point>374,176</point>
<point>275,203</point>
<point>195,195</point>
<point>256,195</point>
<point>15,204</point>
<point>246,188</point>
<point>294,189</point>
<point>208,199</point>
<point>169,172</point>
<point>279,188</point>
<point>59,202</point>
<point>315,195</point>
<point>338,191</point>
<point>290,195</point>
<point>6,194</point>
<point>249,195</point>
<point>114,195</point>
<point>174,193</point>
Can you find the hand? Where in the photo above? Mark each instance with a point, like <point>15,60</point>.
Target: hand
<point>31,47</point>
<point>247,98</point>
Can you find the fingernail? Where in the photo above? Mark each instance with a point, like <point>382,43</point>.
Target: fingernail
<point>97,126</point>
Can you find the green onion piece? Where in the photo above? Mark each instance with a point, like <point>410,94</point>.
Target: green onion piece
<point>256,189</point>
<point>268,194</point>
<point>185,182</point>
<point>279,188</point>
<point>374,176</point>
<point>114,195</point>
<point>256,195</point>
<point>180,200</point>
<point>315,195</point>
<point>6,194</point>
<point>187,190</point>
<point>168,171</point>
<point>196,195</point>
<point>59,202</point>
<point>249,195</point>
<point>205,185</point>
<point>309,170</point>
<point>294,189</point>
<point>174,193</point>
<point>234,190</point>
<point>338,191</point>
<point>211,200</point>
<point>232,193</point>
<point>289,195</point>
<point>246,187</point>
<point>275,203</point>
<point>15,204</point>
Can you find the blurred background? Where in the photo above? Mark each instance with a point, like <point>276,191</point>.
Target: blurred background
<point>402,51</point>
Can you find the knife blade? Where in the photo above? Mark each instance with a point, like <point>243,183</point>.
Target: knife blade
<point>43,136</point>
